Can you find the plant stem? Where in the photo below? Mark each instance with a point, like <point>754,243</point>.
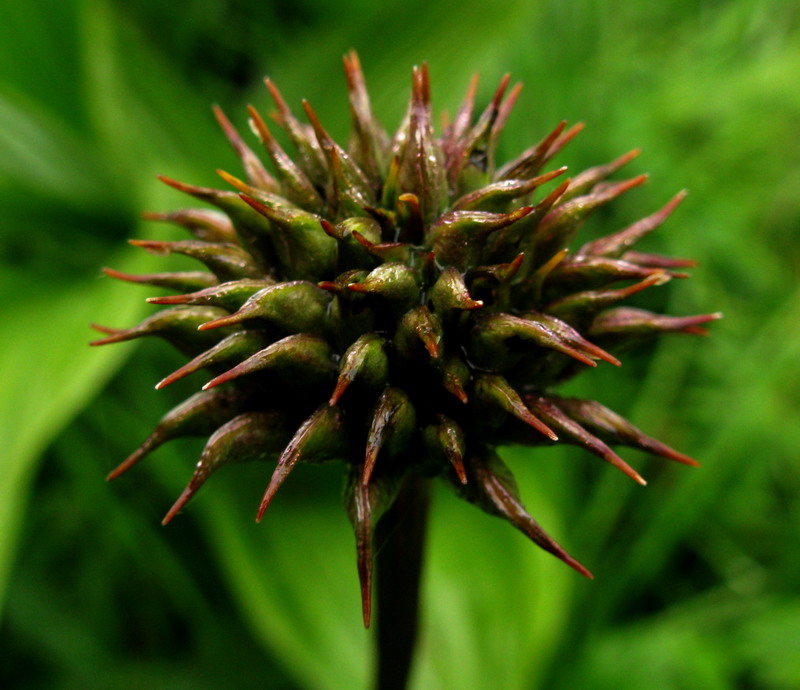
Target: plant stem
<point>401,534</point>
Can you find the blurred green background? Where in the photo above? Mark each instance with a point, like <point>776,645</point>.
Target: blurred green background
<point>698,574</point>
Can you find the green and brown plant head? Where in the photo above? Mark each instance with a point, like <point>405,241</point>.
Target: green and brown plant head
<point>404,305</point>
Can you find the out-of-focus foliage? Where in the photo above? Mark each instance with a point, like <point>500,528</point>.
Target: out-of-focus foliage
<point>697,580</point>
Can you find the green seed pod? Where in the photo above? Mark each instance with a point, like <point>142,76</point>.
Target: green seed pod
<point>626,326</point>
<point>421,170</point>
<point>450,292</point>
<point>418,329</point>
<point>458,238</point>
<point>252,230</point>
<point>247,438</point>
<point>199,415</point>
<point>184,281</point>
<point>303,249</point>
<point>364,362</point>
<point>302,360</point>
<point>322,437</point>
<point>396,284</point>
<point>615,429</point>
<point>403,305</point>
<point>392,425</point>
<point>177,325</point>
<point>447,440</point>
<point>365,504</point>
<point>234,348</point>
<point>290,307</point>
<point>355,237</point>
<point>229,296</point>
<point>226,261</point>
<point>492,488</point>
<point>205,225</point>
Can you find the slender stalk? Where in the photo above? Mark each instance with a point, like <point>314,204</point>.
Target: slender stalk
<point>401,536</point>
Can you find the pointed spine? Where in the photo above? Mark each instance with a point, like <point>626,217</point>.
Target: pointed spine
<point>365,360</point>
<point>177,325</point>
<point>365,505</point>
<point>236,346</point>
<point>311,156</point>
<point>627,322</point>
<point>291,307</point>
<point>229,296</point>
<point>370,143</point>
<point>614,246</point>
<point>226,261</point>
<point>614,428</point>
<point>495,391</point>
<point>302,246</point>
<point>256,173</point>
<point>492,488</point>
<point>392,425</point>
<point>419,327</point>
<point>584,182</point>
<point>249,437</point>
<point>204,224</point>
<point>422,164</point>
<point>323,436</point>
<point>450,292</point>
<point>199,415</point>
<point>303,359</point>
<point>571,430</point>
<point>296,185</point>
<point>185,281</point>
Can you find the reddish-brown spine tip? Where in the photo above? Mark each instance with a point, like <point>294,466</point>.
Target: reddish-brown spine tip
<point>222,378</point>
<point>180,186</point>
<point>257,205</point>
<point>328,286</point>
<point>233,181</point>
<point>183,499</point>
<point>158,247</point>
<point>620,464</point>
<point>575,565</point>
<point>460,393</point>
<point>432,346</point>
<point>319,130</point>
<point>458,466</point>
<point>119,275</point>
<point>565,138</point>
<point>341,387</point>
<point>365,582</point>
<point>124,466</point>
<point>671,454</point>
<point>274,482</point>
<point>577,354</point>
<point>168,299</point>
<point>330,229</point>
<point>600,353</point>
<point>105,329</point>
<point>218,323</point>
<point>176,375</point>
<point>369,462</point>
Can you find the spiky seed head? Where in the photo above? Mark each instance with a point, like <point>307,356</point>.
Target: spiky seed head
<point>402,305</point>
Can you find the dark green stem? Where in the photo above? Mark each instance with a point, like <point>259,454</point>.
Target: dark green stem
<point>401,541</point>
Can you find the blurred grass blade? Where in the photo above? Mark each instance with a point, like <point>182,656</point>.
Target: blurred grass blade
<point>48,374</point>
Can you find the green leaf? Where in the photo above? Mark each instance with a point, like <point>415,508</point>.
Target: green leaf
<point>294,577</point>
<point>494,603</point>
<point>49,373</point>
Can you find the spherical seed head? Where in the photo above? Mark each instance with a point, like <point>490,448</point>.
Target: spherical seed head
<point>403,305</point>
